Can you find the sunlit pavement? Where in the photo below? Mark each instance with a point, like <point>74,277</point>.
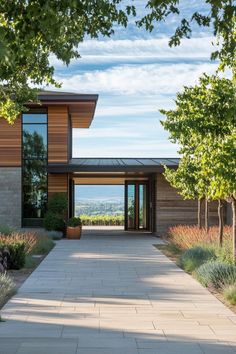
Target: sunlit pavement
<point>113,293</point>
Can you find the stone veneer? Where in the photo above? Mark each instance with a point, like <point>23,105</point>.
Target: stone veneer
<point>10,196</point>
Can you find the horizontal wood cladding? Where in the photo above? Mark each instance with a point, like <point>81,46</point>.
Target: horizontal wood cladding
<point>57,183</point>
<point>82,114</point>
<point>172,209</point>
<point>58,132</point>
<point>10,143</point>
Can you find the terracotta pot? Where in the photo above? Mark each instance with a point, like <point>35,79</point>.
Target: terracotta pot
<point>73,233</point>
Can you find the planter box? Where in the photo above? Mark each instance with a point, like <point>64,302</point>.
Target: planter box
<point>73,233</point>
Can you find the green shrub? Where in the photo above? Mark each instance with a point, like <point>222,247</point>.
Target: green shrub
<point>30,262</point>
<point>194,257</point>
<point>55,235</point>
<point>216,274</point>
<point>229,293</point>
<point>7,288</point>
<point>53,222</point>
<point>17,255</point>
<point>73,222</point>
<point>6,230</point>
<point>29,239</point>
<point>43,246</point>
<point>58,203</point>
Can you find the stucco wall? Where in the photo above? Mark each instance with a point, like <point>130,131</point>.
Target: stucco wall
<point>10,196</point>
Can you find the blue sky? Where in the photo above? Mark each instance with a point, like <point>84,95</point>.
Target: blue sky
<point>135,74</point>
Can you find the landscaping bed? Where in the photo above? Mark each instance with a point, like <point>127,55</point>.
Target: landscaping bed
<point>20,254</point>
<point>199,254</point>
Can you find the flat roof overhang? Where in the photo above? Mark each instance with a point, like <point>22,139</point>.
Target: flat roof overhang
<point>114,165</point>
<point>81,107</point>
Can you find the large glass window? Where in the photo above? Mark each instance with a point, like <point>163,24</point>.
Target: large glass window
<point>34,162</point>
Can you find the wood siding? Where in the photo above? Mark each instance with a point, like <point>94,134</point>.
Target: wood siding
<point>172,210</point>
<point>82,114</point>
<point>10,143</point>
<point>58,133</point>
<point>57,183</point>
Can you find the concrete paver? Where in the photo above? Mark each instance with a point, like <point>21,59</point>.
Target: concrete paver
<point>112,292</point>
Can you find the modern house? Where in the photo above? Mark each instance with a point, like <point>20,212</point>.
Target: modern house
<point>36,161</point>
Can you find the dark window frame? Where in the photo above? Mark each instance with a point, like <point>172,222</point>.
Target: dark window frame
<point>36,222</point>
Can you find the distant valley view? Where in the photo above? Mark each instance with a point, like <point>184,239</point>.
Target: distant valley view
<point>100,205</point>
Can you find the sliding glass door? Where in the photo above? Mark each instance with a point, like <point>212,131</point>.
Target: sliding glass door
<point>136,205</point>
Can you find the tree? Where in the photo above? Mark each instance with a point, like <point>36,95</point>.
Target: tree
<point>32,31</point>
<point>204,123</point>
<point>185,180</point>
<point>219,162</point>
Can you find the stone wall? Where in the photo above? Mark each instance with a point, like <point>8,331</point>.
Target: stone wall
<point>10,196</point>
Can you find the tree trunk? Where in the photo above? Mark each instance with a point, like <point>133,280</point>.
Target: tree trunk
<point>234,226</point>
<point>199,213</point>
<point>221,221</point>
<point>206,216</point>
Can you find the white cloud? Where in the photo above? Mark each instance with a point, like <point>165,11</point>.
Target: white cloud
<point>95,51</point>
<point>152,79</point>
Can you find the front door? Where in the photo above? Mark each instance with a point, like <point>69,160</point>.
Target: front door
<point>136,205</point>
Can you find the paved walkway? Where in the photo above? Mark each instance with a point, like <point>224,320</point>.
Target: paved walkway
<point>111,295</point>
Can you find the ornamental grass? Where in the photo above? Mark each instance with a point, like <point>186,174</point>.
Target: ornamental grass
<point>30,240</point>
<point>186,236</point>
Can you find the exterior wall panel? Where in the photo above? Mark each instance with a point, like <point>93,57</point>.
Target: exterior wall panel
<point>57,183</point>
<point>10,196</point>
<point>172,209</point>
<point>58,133</point>
<point>10,143</point>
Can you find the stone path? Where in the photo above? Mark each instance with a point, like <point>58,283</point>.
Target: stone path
<point>114,293</point>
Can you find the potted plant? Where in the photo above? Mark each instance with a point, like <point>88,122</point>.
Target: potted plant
<point>74,228</point>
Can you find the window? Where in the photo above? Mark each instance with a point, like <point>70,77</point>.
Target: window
<point>34,162</point>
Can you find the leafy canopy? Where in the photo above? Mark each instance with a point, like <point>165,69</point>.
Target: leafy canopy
<point>32,31</point>
<point>204,125</point>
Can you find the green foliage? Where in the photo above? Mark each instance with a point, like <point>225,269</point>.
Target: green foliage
<point>58,203</point>
<point>108,220</point>
<point>229,293</point>
<point>194,257</point>
<point>17,252</point>
<point>173,249</point>
<point>30,262</point>
<point>216,274</point>
<point>75,221</point>
<point>6,230</point>
<point>7,288</point>
<point>207,138</point>
<point>223,254</point>
<point>43,246</point>
<point>55,235</point>
<point>53,222</point>
<point>31,31</point>
<point>54,217</point>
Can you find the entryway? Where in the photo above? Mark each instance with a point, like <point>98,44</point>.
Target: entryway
<point>133,212</point>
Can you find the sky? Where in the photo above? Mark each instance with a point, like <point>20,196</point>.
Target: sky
<point>135,74</point>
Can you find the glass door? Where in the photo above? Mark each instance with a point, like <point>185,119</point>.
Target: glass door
<point>136,205</point>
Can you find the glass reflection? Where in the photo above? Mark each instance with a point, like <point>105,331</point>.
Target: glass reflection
<point>131,206</point>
